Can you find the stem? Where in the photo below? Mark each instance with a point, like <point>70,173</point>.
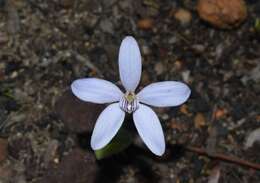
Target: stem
<point>223,157</point>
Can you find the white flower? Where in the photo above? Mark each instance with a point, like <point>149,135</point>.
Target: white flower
<point>160,94</point>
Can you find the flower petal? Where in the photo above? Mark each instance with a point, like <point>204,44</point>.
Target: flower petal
<point>130,65</point>
<point>150,129</point>
<point>164,94</point>
<point>96,90</point>
<point>107,125</point>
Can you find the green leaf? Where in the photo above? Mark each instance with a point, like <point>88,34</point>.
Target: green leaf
<point>119,143</point>
<point>257,24</point>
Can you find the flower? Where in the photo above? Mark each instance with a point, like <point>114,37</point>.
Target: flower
<point>160,94</point>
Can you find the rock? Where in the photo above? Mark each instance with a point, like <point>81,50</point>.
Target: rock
<point>199,120</point>
<point>220,113</point>
<point>178,65</point>
<point>78,116</point>
<point>186,76</point>
<point>145,50</point>
<point>77,167</point>
<point>145,24</point>
<point>107,26</point>
<point>252,138</point>
<point>159,68</point>
<point>198,48</point>
<point>183,16</point>
<point>172,40</point>
<point>3,149</point>
<point>223,14</point>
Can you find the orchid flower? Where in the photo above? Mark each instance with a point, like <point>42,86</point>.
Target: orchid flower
<point>159,94</point>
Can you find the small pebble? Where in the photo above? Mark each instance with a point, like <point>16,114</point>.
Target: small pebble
<point>107,26</point>
<point>186,76</point>
<point>145,50</point>
<point>199,120</point>
<point>145,24</point>
<point>183,16</point>
<point>159,68</point>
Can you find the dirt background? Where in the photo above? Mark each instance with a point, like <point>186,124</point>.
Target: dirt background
<point>44,129</point>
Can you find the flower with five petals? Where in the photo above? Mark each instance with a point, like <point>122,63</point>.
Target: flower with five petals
<point>159,94</point>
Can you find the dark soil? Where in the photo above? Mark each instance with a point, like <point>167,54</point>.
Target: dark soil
<point>45,45</point>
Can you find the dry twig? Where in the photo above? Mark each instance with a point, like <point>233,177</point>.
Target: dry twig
<point>223,157</point>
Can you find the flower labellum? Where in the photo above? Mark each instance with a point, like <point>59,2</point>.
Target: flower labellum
<point>160,94</point>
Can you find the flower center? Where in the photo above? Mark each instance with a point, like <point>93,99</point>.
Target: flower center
<point>129,102</point>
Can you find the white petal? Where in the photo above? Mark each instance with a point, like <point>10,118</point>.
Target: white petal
<point>150,129</point>
<point>164,94</point>
<point>96,90</point>
<point>107,125</point>
<point>130,65</point>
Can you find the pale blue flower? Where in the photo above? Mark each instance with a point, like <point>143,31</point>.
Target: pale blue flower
<point>160,94</point>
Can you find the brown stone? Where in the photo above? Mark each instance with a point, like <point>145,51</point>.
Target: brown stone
<point>78,116</point>
<point>220,113</point>
<point>199,120</point>
<point>223,14</point>
<point>145,24</point>
<point>77,167</point>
